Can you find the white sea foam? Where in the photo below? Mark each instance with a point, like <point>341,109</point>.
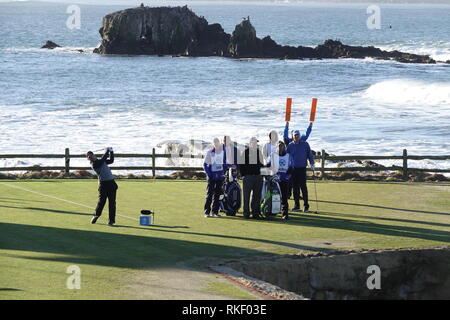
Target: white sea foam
<point>437,50</point>
<point>405,91</point>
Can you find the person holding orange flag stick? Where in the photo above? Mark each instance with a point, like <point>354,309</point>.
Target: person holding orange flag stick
<point>304,137</point>
<point>300,153</point>
<point>288,140</point>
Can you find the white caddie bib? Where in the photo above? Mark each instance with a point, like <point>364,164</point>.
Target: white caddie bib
<point>217,162</point>
<point>284,163</point>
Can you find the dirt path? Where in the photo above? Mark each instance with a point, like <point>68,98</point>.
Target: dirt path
<point>184,283</point>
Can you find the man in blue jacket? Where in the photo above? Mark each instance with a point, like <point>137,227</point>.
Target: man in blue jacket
<point>287,140</point>
<point>214,165</point>
<point>300,153</point>
<point>304,137</point>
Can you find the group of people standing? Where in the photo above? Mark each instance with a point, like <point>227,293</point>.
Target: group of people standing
<point>286,158</point>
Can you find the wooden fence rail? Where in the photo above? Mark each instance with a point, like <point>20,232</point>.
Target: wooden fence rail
<point>323,157</point>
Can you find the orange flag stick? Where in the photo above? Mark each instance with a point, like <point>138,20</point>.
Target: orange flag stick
<point>313,110</point>
<point>288,109</point>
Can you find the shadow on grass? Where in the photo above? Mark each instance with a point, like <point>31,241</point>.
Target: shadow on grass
<point>118,250</point>
<point>321,221</point>
<point>212,235</point>
<point>17,200</point>
<point>357,216</point>
<point>382,207</point>
<point>46,210</point>
<point>11,201</point>
<point>151,227</point>
<point>384,182</point>
<point>36,180</point>
<point>10,289</point>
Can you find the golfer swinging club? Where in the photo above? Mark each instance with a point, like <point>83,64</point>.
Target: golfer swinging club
<point>107,186</point>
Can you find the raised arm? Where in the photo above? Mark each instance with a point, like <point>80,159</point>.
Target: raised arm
<point>105,155</point>
<point>286,138</point>
<point>308,132</point>
<point>111,158</point>
<point>98,162</point>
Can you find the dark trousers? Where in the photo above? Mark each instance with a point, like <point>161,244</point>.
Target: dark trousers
<point>290,188</point>
<point>285,186</point>
<point>213,192</point>
<point>107,190</point>
<point>299,182</point>
<point>291,184</point>
<point>252,185</point>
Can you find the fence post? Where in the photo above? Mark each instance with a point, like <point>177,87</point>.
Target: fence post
<point>67,161</point>
<point>322,165</point>
<point>153,163</point>
<point>405,164</point>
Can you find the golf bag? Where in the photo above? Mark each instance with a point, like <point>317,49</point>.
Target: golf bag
<point>231,199</point>
<point>271,197</point>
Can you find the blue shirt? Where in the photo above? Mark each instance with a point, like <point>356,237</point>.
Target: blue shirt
<point>215,164</point>
<point>304,137</point>
<point>300,153</point>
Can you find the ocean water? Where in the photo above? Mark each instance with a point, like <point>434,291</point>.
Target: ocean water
<point>53,99</point>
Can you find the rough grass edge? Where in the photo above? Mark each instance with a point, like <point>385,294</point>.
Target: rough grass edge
<point>182,175</point>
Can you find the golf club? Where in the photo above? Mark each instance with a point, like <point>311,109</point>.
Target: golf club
<point>102,149</point>
<point>315,189</point>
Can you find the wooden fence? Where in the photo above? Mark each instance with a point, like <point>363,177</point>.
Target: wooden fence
<point>322,157</point>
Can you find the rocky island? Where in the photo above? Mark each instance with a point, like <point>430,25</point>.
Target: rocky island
<point>178,31</point>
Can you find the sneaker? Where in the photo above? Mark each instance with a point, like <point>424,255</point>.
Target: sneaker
<point>207,215</point>
<point>216,215</point>
<point>296,208</point>
<point>110,223</point>
<point>306,208</point>
<point>94,219</point>
<point>285,217</point>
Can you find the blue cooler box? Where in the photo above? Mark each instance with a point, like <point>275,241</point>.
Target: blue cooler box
<point>145,221</point>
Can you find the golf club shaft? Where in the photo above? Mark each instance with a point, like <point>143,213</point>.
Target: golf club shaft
<point>315,189</point>
<point>102,149</point>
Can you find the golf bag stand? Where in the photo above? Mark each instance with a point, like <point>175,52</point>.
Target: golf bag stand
<point>231,198</point>
<point>271,196</point>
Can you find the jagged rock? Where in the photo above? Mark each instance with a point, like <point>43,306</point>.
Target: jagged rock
<point>177,31</point>
<point>50,45</point>
<point>244,43</point>
<point>161,31</point>
<point>335,49</point>
<point>370,164</point>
